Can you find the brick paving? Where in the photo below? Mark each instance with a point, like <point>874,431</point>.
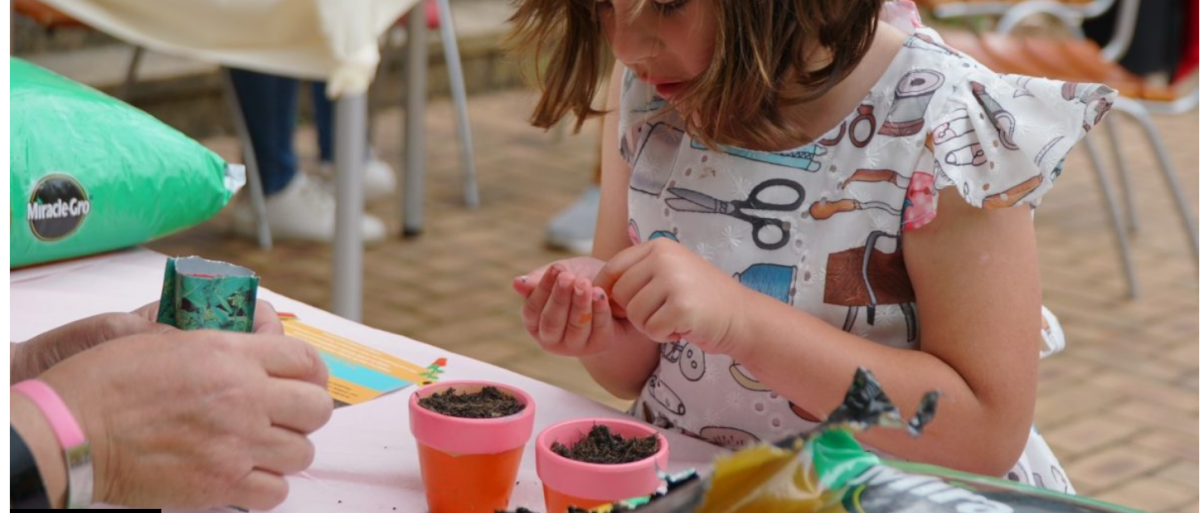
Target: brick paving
<point>1119,406</point>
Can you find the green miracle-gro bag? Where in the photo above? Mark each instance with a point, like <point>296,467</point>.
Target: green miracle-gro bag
<point>89,173</point>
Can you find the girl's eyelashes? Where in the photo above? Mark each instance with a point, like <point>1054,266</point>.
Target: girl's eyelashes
<point>669,7</point>
<point>665,7</point>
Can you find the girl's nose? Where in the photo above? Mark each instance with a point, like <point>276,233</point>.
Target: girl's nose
<point>632,37</point>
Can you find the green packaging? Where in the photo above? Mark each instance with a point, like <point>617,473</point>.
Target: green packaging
<point>201,294</point>
<point>89,173</point>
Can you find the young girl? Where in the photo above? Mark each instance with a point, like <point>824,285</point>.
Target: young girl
<point>796,188</point>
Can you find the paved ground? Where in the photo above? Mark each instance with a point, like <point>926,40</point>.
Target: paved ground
<point>1119,406</point>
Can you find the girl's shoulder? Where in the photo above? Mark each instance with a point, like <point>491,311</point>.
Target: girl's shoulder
<point>1000,139</point>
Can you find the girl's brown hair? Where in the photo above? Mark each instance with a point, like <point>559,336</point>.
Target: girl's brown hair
<point>761,62</point>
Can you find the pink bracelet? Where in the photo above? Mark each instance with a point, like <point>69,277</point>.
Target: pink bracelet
<point>70,437</point>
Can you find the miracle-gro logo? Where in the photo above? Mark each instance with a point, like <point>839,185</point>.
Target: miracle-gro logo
<point>57,207</point>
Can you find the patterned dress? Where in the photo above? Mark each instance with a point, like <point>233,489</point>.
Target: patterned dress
<point>821,227</point>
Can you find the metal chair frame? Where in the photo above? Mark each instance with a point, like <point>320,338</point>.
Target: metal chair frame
<point>1139,111</point>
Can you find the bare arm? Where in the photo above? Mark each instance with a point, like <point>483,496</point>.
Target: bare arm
<point>976,278</point>
<point>623,369</point>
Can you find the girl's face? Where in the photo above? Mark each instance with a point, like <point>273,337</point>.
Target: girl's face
<point>667,44</point>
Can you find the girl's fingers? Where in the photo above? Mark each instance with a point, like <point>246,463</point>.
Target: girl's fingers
<point>661,325</point>
<point>631,284</point>
<point>643,306</point>
<point>525,284</point>
<point>554,315</point>
<point>602,322</point>
<point>616,267</point>
<point>579,319</point>
<point>531,313</point>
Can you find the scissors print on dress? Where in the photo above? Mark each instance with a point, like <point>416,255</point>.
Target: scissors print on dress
<point>778,231</point>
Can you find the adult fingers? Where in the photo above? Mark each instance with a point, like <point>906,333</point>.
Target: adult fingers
<point>282,451</point>
<point>259,490</point>
<point>297,405</point>
<point>266,319</point>
<point>286,357</point>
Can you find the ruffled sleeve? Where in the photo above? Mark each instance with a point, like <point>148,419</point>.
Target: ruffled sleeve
<point>1001,139</point>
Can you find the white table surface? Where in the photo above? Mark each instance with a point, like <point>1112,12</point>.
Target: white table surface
<point>366,458</point>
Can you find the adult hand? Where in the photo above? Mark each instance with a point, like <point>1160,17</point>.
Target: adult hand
<point>266,320</point>
<point>30,359</point>
<point>196,419</point>
<point>669,293</point>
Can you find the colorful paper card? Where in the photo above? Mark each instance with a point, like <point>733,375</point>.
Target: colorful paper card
<point>358,373</point>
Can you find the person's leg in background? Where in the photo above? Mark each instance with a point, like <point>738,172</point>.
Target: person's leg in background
<point>269,104</point>
<point>379,180</point>
<point>297,208</point>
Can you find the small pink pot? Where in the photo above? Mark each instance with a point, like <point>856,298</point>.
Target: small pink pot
<point>469,465</point>
<point>586,485</point>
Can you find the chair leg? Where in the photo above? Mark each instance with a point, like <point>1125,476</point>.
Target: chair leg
<point>257,199</point>
<point>1131,215</point>
<point>458,89</point>
<point>1070,17</point>
<point>1138,113</point>
<point>135,61</point>
<point>1114,217</point>
<point>416,63</point>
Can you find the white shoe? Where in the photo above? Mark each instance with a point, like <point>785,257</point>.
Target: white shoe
<point>302,211</point>
<point>379,180</point>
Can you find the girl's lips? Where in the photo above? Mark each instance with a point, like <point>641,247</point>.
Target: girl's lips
<point>668,90</point>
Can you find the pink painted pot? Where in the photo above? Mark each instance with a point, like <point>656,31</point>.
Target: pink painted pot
<point>469,465</point>
<point>586,485</point>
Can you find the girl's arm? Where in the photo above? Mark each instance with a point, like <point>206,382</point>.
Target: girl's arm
<point>976,279</point>
<point>623,369</point>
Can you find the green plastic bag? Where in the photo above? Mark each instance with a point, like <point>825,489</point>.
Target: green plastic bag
<point>89,173</point>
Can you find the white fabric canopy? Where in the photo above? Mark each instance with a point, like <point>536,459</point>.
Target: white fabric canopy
<point>332,40</point>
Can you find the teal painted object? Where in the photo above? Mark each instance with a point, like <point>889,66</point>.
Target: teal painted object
<point>201,294</point>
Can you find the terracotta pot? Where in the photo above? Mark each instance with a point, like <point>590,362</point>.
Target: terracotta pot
<point>586,485</point>
<point>469,465</point>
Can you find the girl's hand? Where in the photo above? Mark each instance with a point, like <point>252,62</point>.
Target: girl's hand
<point>670,293</point>
<point>563,311</point>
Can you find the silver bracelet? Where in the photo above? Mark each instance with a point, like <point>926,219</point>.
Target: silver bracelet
<point>80,476</point>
